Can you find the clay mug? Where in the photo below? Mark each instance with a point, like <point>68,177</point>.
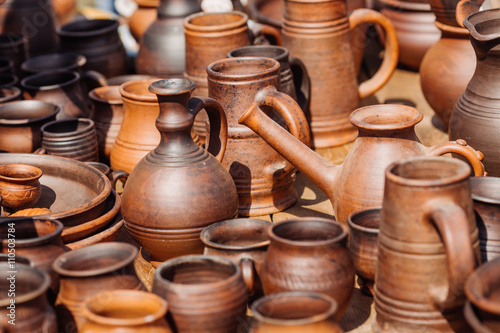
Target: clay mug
<point>204,293</point>
<point>294,312</point>
<point>309,254</point>
<point>428,232</point>
<point>386,134</point>
<point>264,179</point>
<point>20,186</point>
<point>31,311</point>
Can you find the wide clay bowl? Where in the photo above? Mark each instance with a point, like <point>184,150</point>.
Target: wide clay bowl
<point>107,235</point>
<point>19,185</point>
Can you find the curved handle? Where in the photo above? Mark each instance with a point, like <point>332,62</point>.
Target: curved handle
<point>247,268</point>
<point>302,82</point>
<point>465,8</point>
<point>93,79</point>
<point>453,226</point>
<point>461,147</point>
<point>390,61</point>
<point>259,29</point>
<point>118,174</point>
<point>218,123</point>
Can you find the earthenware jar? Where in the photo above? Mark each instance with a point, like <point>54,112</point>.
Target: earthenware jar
<point>319,33</point>
<point>88,271</point>
<point>363,231</point>
<point>295,312</point>
<point>428,232</point>
<point>142,17</point>
<point>98,41</point>
<point>263,178</point>
<point>14,47</point>
<point>318,244</point>
<point>204,293</point>
<point>162,231</point>
<point>162,49</point>
<point>477,111</point>
<point>31,311</point>
<point>125,311</point>
<point>19,186</point>
<point>386,134</point>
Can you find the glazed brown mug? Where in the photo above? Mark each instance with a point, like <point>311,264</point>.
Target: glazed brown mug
<point>20,186</point>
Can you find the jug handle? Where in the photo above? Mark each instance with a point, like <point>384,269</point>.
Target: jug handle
<point>296,65</point>
<point>390,61</point>
<point>247,268</point>
<point>453,227</point>
<point>259,29</point>
<point>118,174</point>
<point>218,123</point>
<point>465,8</point>
<point>461,147</point>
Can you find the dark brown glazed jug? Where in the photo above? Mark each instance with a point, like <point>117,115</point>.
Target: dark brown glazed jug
<point>179,188</point>
<point>386,134</point>
<point>427,246</point>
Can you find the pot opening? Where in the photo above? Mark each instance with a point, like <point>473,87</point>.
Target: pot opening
<point>108,95</point>
<point>267,51</point>
<point>66,126</point>
<point>430,170</point>
<point>6,93</point>
<point>30,229</point>
<point>30,283</point>
<point>366,219</point>
<point>385,117</point>
<point>20,172</point>
<point>217,19</point>
<point>49,80</point>
<point>88,27</point>
<point>27,110</point>
<point>7,80</point>
<point>308,231</point>
<point>55,61</point>
<point>194,271</point>
<point>485,189</point>
<point>246,68</point>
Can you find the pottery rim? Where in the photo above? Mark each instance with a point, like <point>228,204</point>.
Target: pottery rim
<point>385,117</point>
<point>77,61</point>
<point>174,86</point>
<point>240,19</point>
<point>276,52</point>
<point>478,286</point>
<point>361,215</point>
<point>37,240</point>
<point>87,28</point>
<point>242,69</point>
<point>29,172</point>
<point>487,193</point>
<point>480,27</point>
<point>107,95</point>
<point>33,272</point>
<point>137,90</point>
<point>12,94</point>
<point>66,78</point>
<point>29,105</point>
<point>88,124</point>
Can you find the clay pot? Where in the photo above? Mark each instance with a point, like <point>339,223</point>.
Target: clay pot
<point>162,48</point>
<point>20,123</point>
<point>477,111</point>
<point>14,47</point>
<point>161,230</point>
<point>363,232</point>
<point>53,62</point>
<point>125,311</point>
<point>9,94</point>
<point>31,312</point>
<point>71,138</point>
<point>295,312</point>
<point>142,17</point>
<point>476,325</point>
<point>263,178</point>
<point>204,293</point>
<point>88,271</point>
<point>309,254</point>
<point>98,41</point>
<point>386,134</point>
<point>428,232</point>
<point>19,185</point>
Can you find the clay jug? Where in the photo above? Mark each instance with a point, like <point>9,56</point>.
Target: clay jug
<point>427,245</point>
<point>179,188</point>
<point>386,134</point>
<point>142,17</point>
<point>264,179</point>
<point>319,33</point>
<point>162,47</point>
<point>476,115</point>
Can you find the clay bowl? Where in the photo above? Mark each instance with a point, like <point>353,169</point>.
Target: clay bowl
<point>19,185</point>
<point>107,235</point>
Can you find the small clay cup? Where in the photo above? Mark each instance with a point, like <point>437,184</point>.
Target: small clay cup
<point>19,186</point>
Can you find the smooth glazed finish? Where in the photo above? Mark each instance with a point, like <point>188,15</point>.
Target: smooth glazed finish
<point>19,186</point>
<point>428,232</point>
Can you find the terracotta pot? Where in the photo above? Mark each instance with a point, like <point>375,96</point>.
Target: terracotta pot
<point>264,179</point>
<point>386,134</point>
<point>9,94</point>
<point>295,312</point>
<point>88,271</point>
<point>427,243</point>
<point>125,311</point>
<point>98,41</point>
<point>477,111</point>
<point>71,138</point>
<point>309,254</point>
<point>142,17</point>
<point>14,47</point>
<point>476,325</point>
<point>20,123</point>
<point>162,231</point>
<point>31,312</point>
<point>363,231</point>
<point>204,293</point>
<point>162,48</point>
<point>19,186</point>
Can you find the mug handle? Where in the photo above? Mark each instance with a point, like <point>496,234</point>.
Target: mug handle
<point>390,61</point>
<point>247,268</point>
<point>218,123</point>
<point>461,147</point>
<point>304,86</point>
<point>259,29</point>
<point>465,8</point>
<point>452,224</point>
<point>118,174</point>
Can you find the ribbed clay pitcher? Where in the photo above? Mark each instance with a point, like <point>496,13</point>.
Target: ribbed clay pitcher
<point>179,188</point>
<point>263,178</point>
<point>386,134</point>
<point>318,32</point>
<point>427,246</point>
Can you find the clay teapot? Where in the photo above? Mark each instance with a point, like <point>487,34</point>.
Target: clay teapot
<point>386,134</point>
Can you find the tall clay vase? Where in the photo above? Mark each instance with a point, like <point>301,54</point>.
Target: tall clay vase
<point>264,179</point>
<point>427,246</point>
<point>162,47</point>
<point>318,32</point>
<point>309,254</point>
<point>476,115</point>
<point>386,134</point>
<point>179,188</point>
<point>31,311</point>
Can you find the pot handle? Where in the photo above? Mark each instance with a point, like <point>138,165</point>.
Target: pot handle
<point>118,174</point>
<point>218,123</point>
<point>259,29</point>
<point>452,225</point>
<point>247,268</point>
<point>304,86</point>
<point>94,79</point>
<point>390,61</point>
<point>465,8</point>
<point>461,147</point>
